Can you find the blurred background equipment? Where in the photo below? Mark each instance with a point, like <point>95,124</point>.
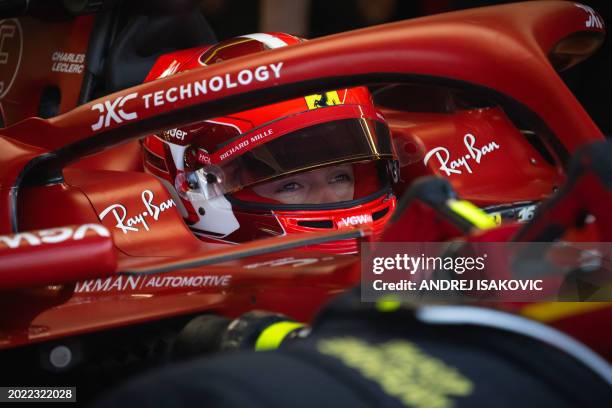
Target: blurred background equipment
<point>384,354</point>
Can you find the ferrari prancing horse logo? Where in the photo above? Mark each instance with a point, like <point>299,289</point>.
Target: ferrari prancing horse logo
<point>315,101</point>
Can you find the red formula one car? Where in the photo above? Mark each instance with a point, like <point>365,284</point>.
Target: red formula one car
<point>99,269</point>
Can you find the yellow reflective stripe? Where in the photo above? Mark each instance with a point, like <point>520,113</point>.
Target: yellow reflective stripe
<point>551,311</point>
<point>273,335</point>
<point>473,214</point>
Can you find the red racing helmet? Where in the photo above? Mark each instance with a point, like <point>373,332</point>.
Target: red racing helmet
<point>316,163</point>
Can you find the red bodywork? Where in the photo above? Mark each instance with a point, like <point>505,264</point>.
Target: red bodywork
<point>505,51</point>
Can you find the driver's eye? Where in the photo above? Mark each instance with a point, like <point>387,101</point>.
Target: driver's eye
<point>287,187</point>
<point>340,178</point>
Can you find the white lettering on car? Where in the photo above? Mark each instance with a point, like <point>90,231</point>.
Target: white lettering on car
<point>68,62</point>
<point>526,214</point>
<point>111,110</point>
<point>127,224</point>
<point>148,283</point>
<point>171,70</point>
<point>452,166</point>
<point>52,236</point>
<point>214,84</point>
<point>289,261</point>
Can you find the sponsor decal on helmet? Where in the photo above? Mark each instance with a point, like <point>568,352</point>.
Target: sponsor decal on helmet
<point>315,101</point>
<point>148,283</point>
<point>242,144</point>
<point>355,220</point>
<point>112,110</point>
<point>51,236</point>
<point>456,166</point>
<point>259,136</point>
<point>234,149</point>
<point>593,20</point>
<point>174,134</point>
<point>135,223</point>
<point>203,156</point>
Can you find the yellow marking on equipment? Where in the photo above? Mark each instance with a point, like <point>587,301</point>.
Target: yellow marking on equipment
<point>473,214</point>
<point>388,304</point>
<point>402,370</point>
<point>273,335</point>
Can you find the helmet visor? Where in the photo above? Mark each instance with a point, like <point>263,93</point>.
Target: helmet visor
<point>321,145</point>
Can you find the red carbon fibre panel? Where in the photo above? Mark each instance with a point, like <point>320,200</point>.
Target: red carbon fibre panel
<point>142,217</point>
<point>42,54</point>
<point>485,158</point>
<point>290,282</point>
